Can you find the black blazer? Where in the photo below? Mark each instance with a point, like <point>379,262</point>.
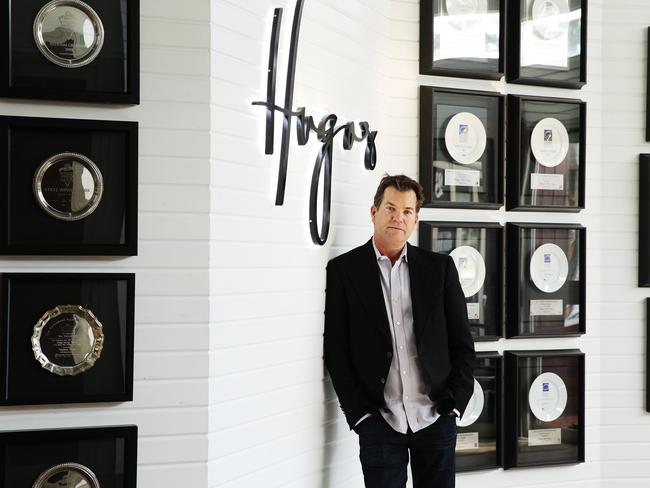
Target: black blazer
<point>357,339</point>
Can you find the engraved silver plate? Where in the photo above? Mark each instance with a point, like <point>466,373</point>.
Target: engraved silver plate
<point>69,33</point>
<point>67,475</point>
<point>68,186</point>
<point>67,340</point>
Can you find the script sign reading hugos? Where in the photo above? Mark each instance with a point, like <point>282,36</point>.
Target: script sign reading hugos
<point>325,131</point>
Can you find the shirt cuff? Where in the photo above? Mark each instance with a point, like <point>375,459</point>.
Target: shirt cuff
<point>363,418</point>
<point>456,412</point>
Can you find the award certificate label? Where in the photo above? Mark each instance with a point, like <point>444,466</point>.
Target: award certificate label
<point>549,267</point>
<point>474,311</point>
<point>547,397</point>
<point>462,177</point>
<point>465,138</point>
<point>467,441</point>
<point>471,269</point>
<point>543,308</point>
<point>549,142</point>
<point>542,181</point>
<point>545,437</point>
<point>69,33</point>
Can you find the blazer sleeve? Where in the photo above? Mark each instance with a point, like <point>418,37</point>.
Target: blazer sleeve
<point>336,349</point>
<point>460,382</point>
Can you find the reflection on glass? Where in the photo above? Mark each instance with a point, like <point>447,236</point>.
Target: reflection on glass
<point>550,33</point>
<point>466,29</point>
<point>68,32</point>
<point>68,186</point>
<point>68,475</point>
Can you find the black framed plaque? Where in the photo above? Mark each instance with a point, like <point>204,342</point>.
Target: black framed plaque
<point>71,50</point>
<point>544,408</point>
<point>461,148</point>
<point>477,250</point>
<point>98,457</point>
<point>546,154</point>
<point>460,38</point>
<point>545,280</point>
<point>478,444</point>
<point>547,42</point>
<point>644,221</point>
<point>68,338</point>
<point>69,187</point>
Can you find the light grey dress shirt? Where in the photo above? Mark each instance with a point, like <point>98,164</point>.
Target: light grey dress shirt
<point>406,391</point>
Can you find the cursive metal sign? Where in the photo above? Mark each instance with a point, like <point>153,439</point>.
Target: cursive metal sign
<point>325,131</point>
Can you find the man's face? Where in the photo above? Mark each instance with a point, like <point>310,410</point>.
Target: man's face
<point>395,218</point>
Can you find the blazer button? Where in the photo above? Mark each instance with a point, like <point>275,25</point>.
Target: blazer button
<point>389,354</point>
<point>383,380</point>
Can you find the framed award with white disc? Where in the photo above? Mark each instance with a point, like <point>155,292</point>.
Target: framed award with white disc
<point>461,148</point>
<point>546,144</point>
<point>476,249</point>
<point>463,38</point>
<point>547,42</point>
<point>478,444</point>
<point>544,408</point>
<point>545,280</point>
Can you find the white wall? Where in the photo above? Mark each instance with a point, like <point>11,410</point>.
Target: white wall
<point>171,331</point>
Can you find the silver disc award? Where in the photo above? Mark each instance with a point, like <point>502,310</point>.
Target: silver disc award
<point>549,142</point>
<point>547,397</point>
<point>465,138</point>
<point>68,33</point>
<point>474,407</point>
<point>67,340</point>
<point>471,269</point>
<point>465,7</point>
<point>67,475</point>
<point>549,267</point>
<point>548,18</point>
<point>68,186</point>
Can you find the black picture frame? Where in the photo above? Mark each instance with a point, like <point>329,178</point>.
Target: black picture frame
<point>554,312</point>
<point>111,229</point>
<point>482,67</point>
<point>568,71</point>
<point>531,185</point>
<point>522,368</point>
<point>110,452</point>
<point>26,297</point>
<point>112,77</point>
<point>487,239</point>
<point>437,166</point>
<point>644,221</point>
<point>486,432</point>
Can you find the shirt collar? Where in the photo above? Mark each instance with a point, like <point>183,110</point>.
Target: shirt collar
<point>403,254</point>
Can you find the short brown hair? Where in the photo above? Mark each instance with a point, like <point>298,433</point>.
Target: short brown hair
<point>400,183</point>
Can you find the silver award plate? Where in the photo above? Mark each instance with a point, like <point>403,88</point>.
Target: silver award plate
<point>67,475</point>
<point>67,340</point>
<point>68,33</point>
<point>547,397</point>
<point>68,186</point>
<point>550,18</point>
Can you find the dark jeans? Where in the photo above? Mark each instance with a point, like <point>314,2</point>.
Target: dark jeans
<point>384,454</point>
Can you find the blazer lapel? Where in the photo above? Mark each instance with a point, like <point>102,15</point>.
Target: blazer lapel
<point>368,285</point>
<point>420,292</point>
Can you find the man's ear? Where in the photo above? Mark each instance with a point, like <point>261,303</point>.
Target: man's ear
<point>373,211</point>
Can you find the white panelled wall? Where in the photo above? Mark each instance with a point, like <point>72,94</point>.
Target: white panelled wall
<point>230,389</point>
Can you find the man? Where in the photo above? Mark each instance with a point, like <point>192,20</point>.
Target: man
<point>398,347</point>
